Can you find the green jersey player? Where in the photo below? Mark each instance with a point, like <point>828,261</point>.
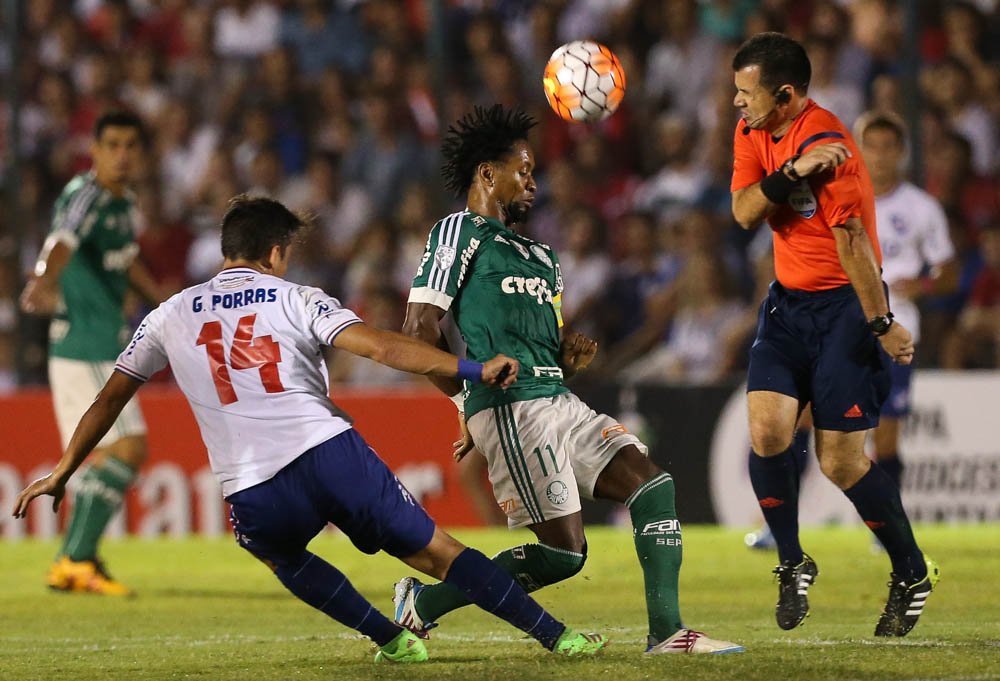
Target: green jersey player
<point>87,264</point>
<point>545,448</point>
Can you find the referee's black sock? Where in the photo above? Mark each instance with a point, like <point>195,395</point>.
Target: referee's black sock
<point>776,483</point>
<point>877,499</point>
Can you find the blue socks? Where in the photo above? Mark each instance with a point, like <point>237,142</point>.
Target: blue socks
<point>893,467</point>
<point>327,589</point>
<point>877,499</point>
<point>775,481</point>
<point>492,589</point>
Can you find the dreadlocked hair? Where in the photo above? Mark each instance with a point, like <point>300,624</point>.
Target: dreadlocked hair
<point>482,136</point>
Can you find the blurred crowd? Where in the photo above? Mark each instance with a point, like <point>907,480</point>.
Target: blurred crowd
<point>336,107</point>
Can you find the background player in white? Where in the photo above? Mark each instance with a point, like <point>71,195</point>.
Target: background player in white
<point>246,349</point>
<point>917,258</point>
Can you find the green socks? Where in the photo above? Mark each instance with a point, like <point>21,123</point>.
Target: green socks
<point>532,566</point>
<point>98,496</point>
<point>657,535</point>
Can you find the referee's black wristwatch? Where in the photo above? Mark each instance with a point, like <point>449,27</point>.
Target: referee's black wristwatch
<point>879,325</point>
<point>788,168</point>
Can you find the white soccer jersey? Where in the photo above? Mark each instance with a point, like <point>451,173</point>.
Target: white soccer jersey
<point>246,349</point>
<point>913,234</point>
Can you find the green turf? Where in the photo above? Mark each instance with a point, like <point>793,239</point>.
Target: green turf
<point>207,610</point>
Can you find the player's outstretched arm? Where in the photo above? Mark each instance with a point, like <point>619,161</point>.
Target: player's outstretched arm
<point>423,321</point>
<point>417,357</point>
<point>96,422</point>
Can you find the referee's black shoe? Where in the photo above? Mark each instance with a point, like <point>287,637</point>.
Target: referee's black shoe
<point>793,589</point>
<point>906,602</point>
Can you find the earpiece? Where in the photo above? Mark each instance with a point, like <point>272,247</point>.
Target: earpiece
<point>782,97</point>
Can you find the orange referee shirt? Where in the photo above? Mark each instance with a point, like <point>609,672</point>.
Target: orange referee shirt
<point>805,253</point>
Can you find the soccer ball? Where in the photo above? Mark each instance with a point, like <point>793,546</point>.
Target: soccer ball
<point>584,81</point>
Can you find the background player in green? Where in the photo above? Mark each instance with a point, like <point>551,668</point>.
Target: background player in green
<point>545,448</point>
<point>87,264</point>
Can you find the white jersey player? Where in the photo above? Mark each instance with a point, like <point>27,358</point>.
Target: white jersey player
<point>256,337</point>
<point>913,234</point>
<point>246,348</point>
<point>916,251</point>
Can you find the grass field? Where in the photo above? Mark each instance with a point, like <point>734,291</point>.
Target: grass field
<point>207,610</point>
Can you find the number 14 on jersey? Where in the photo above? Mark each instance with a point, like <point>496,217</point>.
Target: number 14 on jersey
<point>247,352</point>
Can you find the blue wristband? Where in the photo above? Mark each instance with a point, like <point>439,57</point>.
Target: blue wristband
<point>470,371</point>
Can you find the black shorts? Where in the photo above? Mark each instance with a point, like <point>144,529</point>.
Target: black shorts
<point>815,346</point>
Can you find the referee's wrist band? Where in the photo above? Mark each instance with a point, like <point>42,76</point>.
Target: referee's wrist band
<point>777,187</point>
<point>470,371</point>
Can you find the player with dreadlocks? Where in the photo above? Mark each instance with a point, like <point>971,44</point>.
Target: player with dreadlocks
<point>545,448</point>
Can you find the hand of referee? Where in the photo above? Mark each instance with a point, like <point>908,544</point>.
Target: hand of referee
<point>500,371</point>
<point>822,158</point>
<point>898,342</point>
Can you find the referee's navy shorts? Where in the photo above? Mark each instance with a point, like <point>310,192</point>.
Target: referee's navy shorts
<point>815,346</point>
<point>341,481</point>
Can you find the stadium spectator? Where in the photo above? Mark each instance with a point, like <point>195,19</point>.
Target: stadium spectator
<point>844,99</point>
<point>163,245</point>
<point>586,270</point>
<point>141,90</point>
<point>681,180</point>
<point>185,150</point>
<point>950,87</point>
<point>324,37</point>
<point>643,272</point>
<point>681,66</point>
<point>953,181</point>
<point>246,28</point>
<point>385,154</point>
<point>975,342</point>
<point>704,311</point>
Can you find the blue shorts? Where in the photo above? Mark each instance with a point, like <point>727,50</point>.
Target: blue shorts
<point>341,481</point>
<point>815,346</point>
<point>898,404</point>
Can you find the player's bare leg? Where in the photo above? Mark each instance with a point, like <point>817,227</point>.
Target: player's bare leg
<point>100,494</point>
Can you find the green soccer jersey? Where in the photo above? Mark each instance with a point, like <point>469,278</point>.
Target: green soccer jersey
<point>98,226</point>
<point>504,291</point>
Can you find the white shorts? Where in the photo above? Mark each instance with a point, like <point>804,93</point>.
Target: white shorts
<point>75,383</point>
<point>545,454</point>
